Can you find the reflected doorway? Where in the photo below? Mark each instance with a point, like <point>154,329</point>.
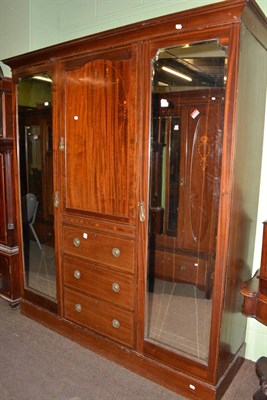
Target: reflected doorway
<point>36,184</point>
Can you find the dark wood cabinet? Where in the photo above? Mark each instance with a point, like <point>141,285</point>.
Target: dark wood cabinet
<point>9,268</point>
<point>155,189</point>
<point>255,306</point>
<point>255,289</point>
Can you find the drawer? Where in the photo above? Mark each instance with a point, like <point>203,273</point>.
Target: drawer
<point>180,268</point>
<point>99,316</point>
<point>109,285</point>
<point>100,248</point>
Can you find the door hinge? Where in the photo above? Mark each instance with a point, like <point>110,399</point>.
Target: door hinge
<point>62,144</point>
<point>56,199</point>
<point>142,211</point>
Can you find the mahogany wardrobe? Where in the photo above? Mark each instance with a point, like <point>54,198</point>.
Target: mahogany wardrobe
<point>137,170</point>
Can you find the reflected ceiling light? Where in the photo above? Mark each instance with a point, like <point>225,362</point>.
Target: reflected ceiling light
<point>162,83</point>
<point>174,72</point>
<point>42,78</point>
<point>164,103</point>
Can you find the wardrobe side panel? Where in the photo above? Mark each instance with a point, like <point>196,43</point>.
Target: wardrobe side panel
<point>247,168</point>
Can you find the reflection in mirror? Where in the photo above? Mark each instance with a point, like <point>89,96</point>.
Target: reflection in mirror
<point>36,183</point>
<point>1,117</point>
<point>188,89</point>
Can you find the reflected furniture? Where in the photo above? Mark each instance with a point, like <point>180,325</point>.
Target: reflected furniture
<point>156,182</point>
<point>9,268</point>
<point>35,147</point>
<point>182,231</point>
<point>255,305</point>
<point>36,161</point>
<point>29,211</point>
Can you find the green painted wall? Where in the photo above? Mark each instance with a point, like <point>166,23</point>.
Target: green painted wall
<point>27,25</point>
<point>33,93</point>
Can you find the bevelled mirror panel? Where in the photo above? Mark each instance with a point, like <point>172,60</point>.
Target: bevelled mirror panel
<point>36,183</point>
<point>188,90</point>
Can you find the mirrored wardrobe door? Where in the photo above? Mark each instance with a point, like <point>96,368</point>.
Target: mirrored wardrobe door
<point>187,97</point>
<point>36,184</point>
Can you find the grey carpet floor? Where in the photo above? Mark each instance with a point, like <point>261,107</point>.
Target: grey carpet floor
<point>38,364</point>
<point>179,318</point>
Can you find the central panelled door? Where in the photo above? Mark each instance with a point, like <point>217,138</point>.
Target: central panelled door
<point>99,193</point>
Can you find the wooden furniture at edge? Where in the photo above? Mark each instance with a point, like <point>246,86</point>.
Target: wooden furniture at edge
<point>9,270</point>
<point>101,229</point>
<point>255,306</point>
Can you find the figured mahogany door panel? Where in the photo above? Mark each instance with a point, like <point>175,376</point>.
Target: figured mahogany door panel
<point>200,188</point>
<point>3,227</point>
<point>100,138</point>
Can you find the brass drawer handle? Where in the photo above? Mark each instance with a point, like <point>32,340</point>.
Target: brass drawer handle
<point>115,323</point>
<point>76,242</point>
<point>116,252</point>
<point>116,287</point>
<point>77,274</point>
<point>78,307</point>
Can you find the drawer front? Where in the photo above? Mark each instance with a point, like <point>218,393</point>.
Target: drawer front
<point>180,268</point>
<point>99,316</point>
<point>100,248</point>
<point>109,285</point>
